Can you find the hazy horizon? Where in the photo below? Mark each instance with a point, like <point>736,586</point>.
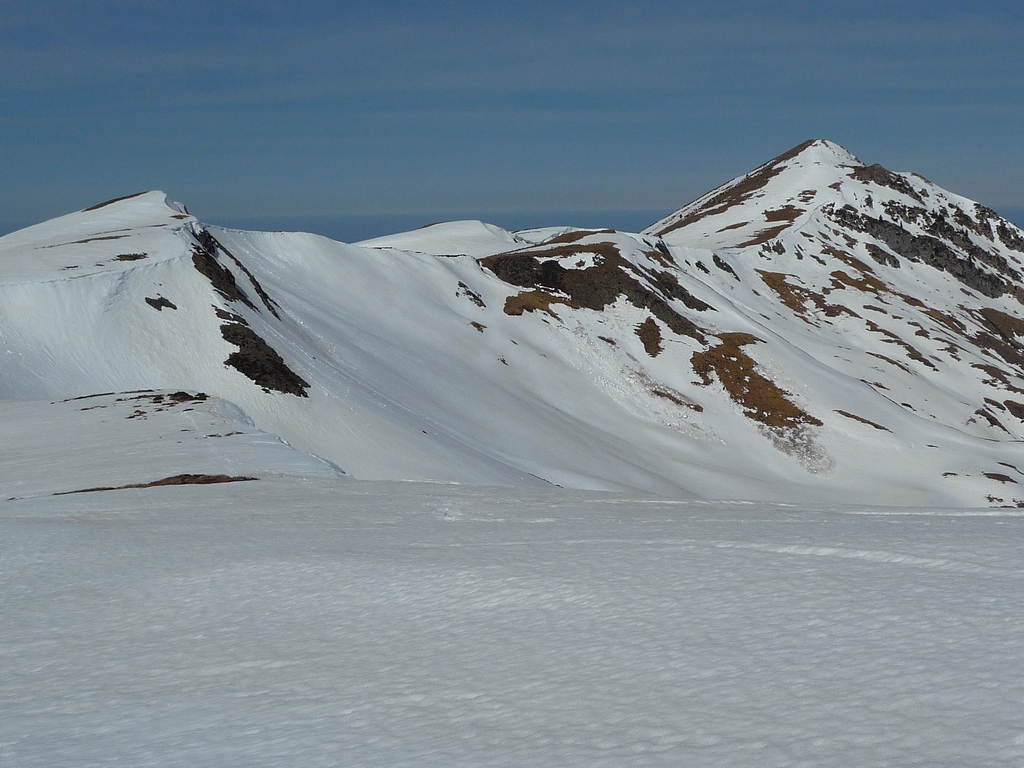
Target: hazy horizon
<point>355,227</point>
<point>278,110</point>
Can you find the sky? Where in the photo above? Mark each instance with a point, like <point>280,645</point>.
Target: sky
<point>354,117</point>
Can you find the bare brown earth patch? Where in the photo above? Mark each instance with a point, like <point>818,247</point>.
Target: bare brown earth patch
<point>796,297</point>
<point>572,237</point>
<point>650,336</point>
<point>864,282</point>
<point>1008,326</point>
<point>1000,477</point>
<point>479,326</point>
<point>1015,408</point>
<point>758,396</point>
<point>105,203</point>
<point>862,420</point>
<point>892,338</point>
<point>97,239</point>
<point>531,301</point>
<point>595,287</point>
<point>733,226</point>
<point>186,479</point>
<point>787,213</point>
<point>947,320</point>
<point>130,256</point>
<point>997,378</point>
<point>892,362</point>
<point>988,416</point>
<point>676,398</point>
<point>764,236</point>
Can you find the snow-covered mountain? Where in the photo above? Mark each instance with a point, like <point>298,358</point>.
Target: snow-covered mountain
<point>818,330</point>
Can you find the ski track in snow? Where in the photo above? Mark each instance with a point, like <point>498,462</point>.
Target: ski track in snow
<point>336,622</point>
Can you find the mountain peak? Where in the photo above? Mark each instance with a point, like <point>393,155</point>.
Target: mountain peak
<point>815,329</point>
<point>789,181</point>
<point>819,151</point>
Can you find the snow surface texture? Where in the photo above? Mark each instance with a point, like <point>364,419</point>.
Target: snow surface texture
<point>326,622</point>
<point>817,330</point>
<point>137,437</point>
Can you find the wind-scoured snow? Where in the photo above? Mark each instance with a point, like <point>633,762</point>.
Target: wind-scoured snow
<point>332,622</point>
<point>111,440</point>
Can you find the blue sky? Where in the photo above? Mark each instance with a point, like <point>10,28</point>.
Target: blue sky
<point>269,111</point>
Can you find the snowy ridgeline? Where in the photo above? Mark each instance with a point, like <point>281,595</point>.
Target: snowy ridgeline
<point>303,621</point>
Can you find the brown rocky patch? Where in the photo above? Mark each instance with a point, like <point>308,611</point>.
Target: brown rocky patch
<point>159,303</point>
<point>988,416</point>
<point>787,213</point>
<point>675,397</point>
<point>738,225</point>
<point>572,237</point>
<point>892,338</point>
<point>469,293</point>
<point>759,397</point>
<point>650,336</point>
<point>186,479</point>
<point>885,178</point>
<point>892,362</point>
<point>210,244</point>
<point>260,362</point>
<point>862,420</point>
<point>1007,326</point>
<point>796,297</point>
<point>220,277</point>
<point>594,287</point>
<point>764,236</point>
<point>532,301</point>
<point>105,203</point>
<point>997,378</point>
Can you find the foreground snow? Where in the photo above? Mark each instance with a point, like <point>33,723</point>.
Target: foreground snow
<point>305,621</point>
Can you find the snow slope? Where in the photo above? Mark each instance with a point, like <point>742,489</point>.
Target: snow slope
<point>817,330</point>
<point>205,558</point>
<point>112,440</point>
<point>328,622</point>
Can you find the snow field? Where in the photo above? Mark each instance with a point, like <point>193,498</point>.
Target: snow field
<point>331,622</point>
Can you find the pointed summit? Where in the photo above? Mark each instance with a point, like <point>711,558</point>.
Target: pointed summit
<point>758,206</point>
<point>791,179</point>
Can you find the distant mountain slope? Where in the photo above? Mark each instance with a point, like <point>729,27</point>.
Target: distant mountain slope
<point>815,330</point>
<point>137,439</point>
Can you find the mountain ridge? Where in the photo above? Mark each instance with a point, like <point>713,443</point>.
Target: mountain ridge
<point>815,329</point>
